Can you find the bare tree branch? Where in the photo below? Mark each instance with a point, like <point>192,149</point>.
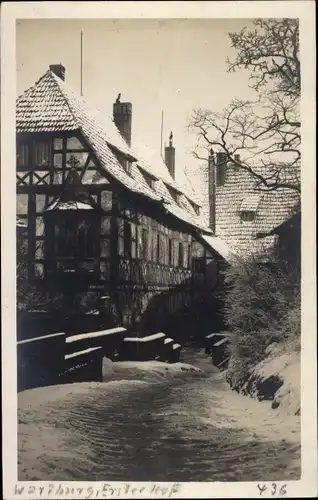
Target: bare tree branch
<point>266,132</point>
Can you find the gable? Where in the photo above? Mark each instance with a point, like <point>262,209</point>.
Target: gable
<point>51,106</point>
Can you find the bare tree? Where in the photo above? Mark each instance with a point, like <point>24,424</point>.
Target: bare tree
<point>265,132</point>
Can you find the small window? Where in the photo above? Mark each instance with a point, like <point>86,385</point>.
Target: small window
<point>174,194</point>
<point>170,253</point>
<point>180,255</point>
<point>22,155</point>
<point>128,167</point>
<point>40,202</point>
<point>196,208</point>
<point>22,204</point>
<point>105,248</point>
<point>199,265</point>
<point>189,255</point>
<point>133,229</point>
<point>74,143</point>
<point>42,153</point>
<point>149,179</point>
<point>74,240</point>
<point>76,160</point>
<point>145,243</point>
<point>58,144</point>
<point>158,248</point>
<point>58,160</point>
<point>247,216</point>
<point>127,239</point>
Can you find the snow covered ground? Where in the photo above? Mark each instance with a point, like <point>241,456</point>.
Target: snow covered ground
<point>154,421</point>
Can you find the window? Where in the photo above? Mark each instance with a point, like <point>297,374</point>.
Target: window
<point>57,144</point>
<point>149,179</point>
<point>247,216</point>
<point>170,252</point>
<point>74,239</point>
<point>22,155</point>
<point>249,207</point>
<point>76,160</point>
<point>133,229</point>
<point>181,255</point>
<point>199,265</point>
<point>189,256</point>
<point>73,143</point>
<point>128,167</point>
<point>22,204</point>
<point>195,207</point>
<point>145,243</point>
<point>69,153</point>
<point>42,153</point>
<point>127,239</point>
<point>174,194</point>
<point>158,253</point>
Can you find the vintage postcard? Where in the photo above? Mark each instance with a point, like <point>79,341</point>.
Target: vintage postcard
<point>158,250</point>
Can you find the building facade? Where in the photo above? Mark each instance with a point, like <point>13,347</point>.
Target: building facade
<point>106,231</point>
<point>237,210</point>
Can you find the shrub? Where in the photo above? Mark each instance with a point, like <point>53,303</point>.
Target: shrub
<point>261,307</point>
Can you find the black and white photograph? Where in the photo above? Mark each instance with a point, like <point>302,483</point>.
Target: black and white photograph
<point>158,248</point>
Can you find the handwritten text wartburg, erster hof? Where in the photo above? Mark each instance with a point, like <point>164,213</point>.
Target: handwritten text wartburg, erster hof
<point>107,490</point>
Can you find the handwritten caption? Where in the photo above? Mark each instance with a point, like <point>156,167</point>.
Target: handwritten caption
<point>274,490</point>
<point>61,490</point>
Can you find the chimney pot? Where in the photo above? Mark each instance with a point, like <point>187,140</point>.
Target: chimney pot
<point>170,156</point>
<point>221,161</point>
<point>237,158</point>
<point>221,158</point>
<point>58,70</point>
<point>211,188</point>
<point>122,113</point>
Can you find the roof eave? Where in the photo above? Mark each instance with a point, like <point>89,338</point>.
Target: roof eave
<point>118,150</point>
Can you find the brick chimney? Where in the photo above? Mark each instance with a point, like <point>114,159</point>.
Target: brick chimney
<point>221,161</point>
<point>122,113</point>
<point>58,70</point>
<point>212,197</point>
<point>170,156</point>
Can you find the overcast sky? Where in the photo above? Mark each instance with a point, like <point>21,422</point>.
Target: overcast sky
<point>167,65</point>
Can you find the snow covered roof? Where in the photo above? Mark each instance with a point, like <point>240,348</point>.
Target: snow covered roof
<point>52,106</point>
<point>220,246</point>
<point>239,193</point>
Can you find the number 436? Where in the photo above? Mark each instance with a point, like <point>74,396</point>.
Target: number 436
<point>274,489</point>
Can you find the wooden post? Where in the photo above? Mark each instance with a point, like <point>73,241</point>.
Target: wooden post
<point>114,251</point>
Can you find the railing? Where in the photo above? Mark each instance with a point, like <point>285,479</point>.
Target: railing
<point>136,271</point>
<point>130,272</point>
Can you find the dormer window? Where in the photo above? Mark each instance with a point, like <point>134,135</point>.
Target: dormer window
<point>151,181</point>
<point>195,207</point>
<point>128,167</point>
<point>249,207</point>
<point>174,194</point>
<point>247,216</point>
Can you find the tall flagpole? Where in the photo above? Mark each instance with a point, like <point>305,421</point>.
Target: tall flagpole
<point>161,133</point>
<point>81,63</point>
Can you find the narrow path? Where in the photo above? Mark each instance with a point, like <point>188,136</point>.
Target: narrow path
<point>190,430</point>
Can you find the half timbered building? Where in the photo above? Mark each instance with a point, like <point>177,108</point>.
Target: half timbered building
<point>106,230</point>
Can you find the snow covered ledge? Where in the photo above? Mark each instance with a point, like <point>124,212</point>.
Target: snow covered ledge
<point>275,379</point>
